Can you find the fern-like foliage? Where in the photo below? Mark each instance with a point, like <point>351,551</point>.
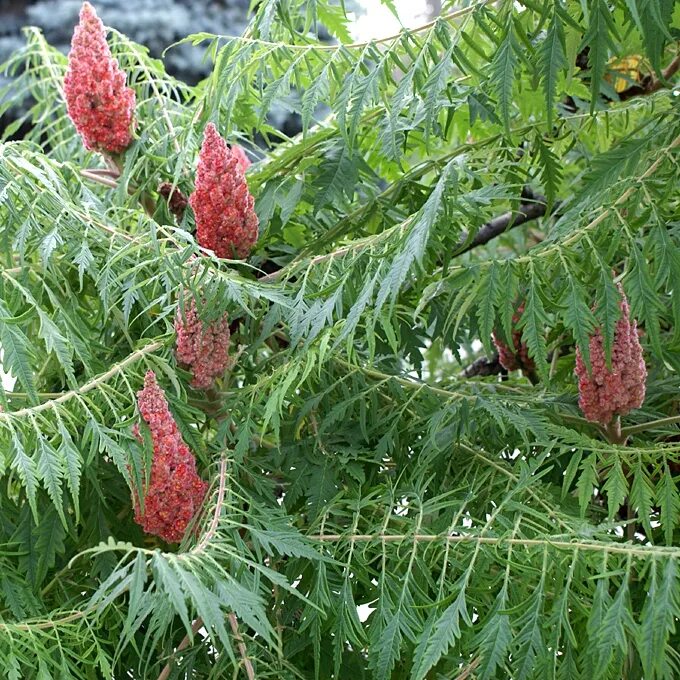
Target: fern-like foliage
<point>377,509</point>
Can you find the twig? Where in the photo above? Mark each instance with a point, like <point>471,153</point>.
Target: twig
<point>195,627</point>
<point>43,625</point>
<point>632,429</point>
<point>533,207</point>
<point>559,544</point>
<point>212,529</point>
<point>483,366</point>
<point>87,387</point>
<point>106,179</point>
<point>488,231</point>
<point>649,84</point>
<point>233,622</point>
<point>470,668</point>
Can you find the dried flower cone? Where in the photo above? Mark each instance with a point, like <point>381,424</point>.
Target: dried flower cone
<point>204,347</point>
<point>176,200</point>
<point>175,491</point>
<point>604,394</point>
<point>517,356</point>
<point>226,222</point>
<point>98,101</point>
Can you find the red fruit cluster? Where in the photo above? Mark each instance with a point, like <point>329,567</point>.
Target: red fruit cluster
<point>226,222</point>
<point>604,394</point>
<point>98,102</point>
<point>175,491</point>
<point>517,356</point>
<point>204,347</point>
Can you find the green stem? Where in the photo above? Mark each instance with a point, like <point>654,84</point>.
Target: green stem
<point>641,427</point>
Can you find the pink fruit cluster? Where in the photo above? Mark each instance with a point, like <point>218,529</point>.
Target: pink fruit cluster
<point>517,356</point>
<point>204,347</point>
<point>175,491</point>
<point>226,222</point>
<point>98,101</point>
<point>604,394</point>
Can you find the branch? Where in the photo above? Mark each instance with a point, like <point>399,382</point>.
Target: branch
<point>532,207</point>
<point>671,552</point>
<point>195,627</point>
<point>483,366</point>
<point>84,389</point>
<point>233,622</point>
<point>495,227</point>
<point>649,84</point>
<point>469,669</point>
<point>641,427</point>
<point>212,529</point>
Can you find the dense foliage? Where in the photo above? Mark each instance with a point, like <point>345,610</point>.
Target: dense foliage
<point>496,173</point>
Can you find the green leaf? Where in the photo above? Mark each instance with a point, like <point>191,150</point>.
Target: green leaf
<point>48,537</point>
<point>442,634</point>
<point>551,60</point>
<point>421,225</point>
<point>533,322</point>
<point>57,343</point>
<point>16,357</point>
<point>27,471</point>
<point>669,501</point>
<point>616,488</point>
<point>641,496</point>
<point>502,74</point>
<point>658,618</point>
<point>204,601</point>
<point>72,463</point>
<point>529,639</point>
<point>645,304</point>
<point>495,637</point>
<point>337,178</point>
<point>617,624</point>
<point>317,92</point>
<point>490,297</point>
<point>654,19</point>
<point>167,580</point>
<point>598,39</point>
<point>551,172</point>
<point>607,311</point>
<point>51,471</point>
<point>587,481</point>
<point>578,317</point>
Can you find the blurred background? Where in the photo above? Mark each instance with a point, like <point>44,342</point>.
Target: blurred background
<point>159,23</point>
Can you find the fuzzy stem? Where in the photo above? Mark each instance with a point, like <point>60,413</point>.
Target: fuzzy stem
<point>87,387</point>
<point>247,664</point>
